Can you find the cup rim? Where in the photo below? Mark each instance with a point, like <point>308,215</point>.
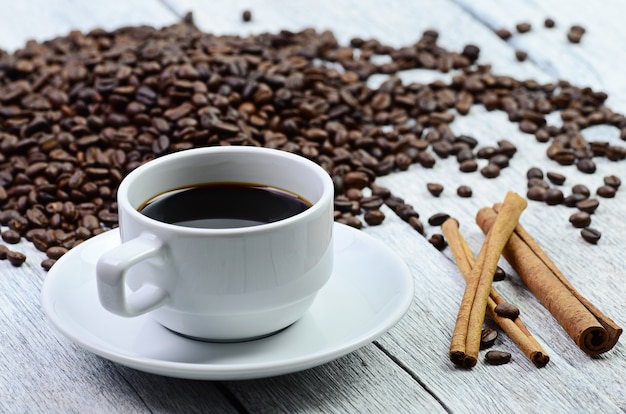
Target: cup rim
<point>124,202</point>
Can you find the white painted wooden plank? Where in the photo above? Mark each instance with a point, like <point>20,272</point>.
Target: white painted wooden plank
<point>420,341</point>
<point>44,19</point>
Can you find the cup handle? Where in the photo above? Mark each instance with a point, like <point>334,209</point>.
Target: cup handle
<point>111,277</point>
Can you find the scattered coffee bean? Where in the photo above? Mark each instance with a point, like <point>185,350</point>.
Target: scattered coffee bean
<point>499,275</point>
<point>555,178</point>
<point>47,264</point>
<point>488,338</point>
<point>468,166</point>
<point>573,199</point>
<point>435,189</point>
<point>586,165</point>
<point>497,357</point>
<point>549,23</point>
<point>523,27</point>
<point>606,191</point>
<point>521,55</point>
<point>580,219</point>
<point>590,235</point>
<point>490,171</point>
<point>464,191</point>
<point>575,33</point>
<point>55,252</point>
<point>534,172</point>
<point>581,189</point>
<point>437,219</point>
<point>16,258</point>
<point>507,310</point>
<point>553,196</point>
<point>537,182</point>
<point>11,236</point>
<point>438,241</point>
<point>416,224</point>
<point>246,16</point>
<point>504,34</point>
<point>3,251</point>
<point>612,181</point>
<point>588,205</point>
<point>374,217</point>
<point>536,193</point>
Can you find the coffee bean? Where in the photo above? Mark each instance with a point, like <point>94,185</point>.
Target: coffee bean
<point>55,252</point>
<point>504,34</point>
<point>499,274</point>
<point>3,251</point>
<point>612,181</point>
<point>438,241</point>
<point>11,236</point>
<point>521,56</point>
<point>495,357</point>
<point>246,16</point>
<point>553,196</point>
<point>488,338</point>
<point>416,223</point>
<point>581,189</point>
<point>507,310</point>
<point>435,189</point>
<point>588,205</point>
<point>468,166</point>
<point>437,219</point>
<point>464,191</point>
<point>555,178</point>
<point>537,182</point>
<point>406,211</point>
<point>549,23</point>
<point>534,172</point>
<point>586,165</point>
<point>575,33</point>
<point>606,191</point>
<point>371,203</point>
<point>590,235</point>
<point>523,27</point>
<point>16,258</point>
<point>536,193</point>
<point>374,217</point>
<point>490,171</point>
<point>573,199</point>
<point>580,219</point>
<point>501,160</point>
<point>47,264</point>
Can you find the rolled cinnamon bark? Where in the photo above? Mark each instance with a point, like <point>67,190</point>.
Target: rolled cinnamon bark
<point>465,341</point>
<point>591,330</point>
<point>516,329</point>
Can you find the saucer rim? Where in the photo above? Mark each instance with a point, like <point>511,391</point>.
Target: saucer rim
<point>258,369</point>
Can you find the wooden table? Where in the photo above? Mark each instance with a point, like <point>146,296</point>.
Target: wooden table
<point>407,369</point>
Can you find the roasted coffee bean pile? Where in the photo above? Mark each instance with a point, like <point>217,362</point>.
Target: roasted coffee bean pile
<point>78,112</point>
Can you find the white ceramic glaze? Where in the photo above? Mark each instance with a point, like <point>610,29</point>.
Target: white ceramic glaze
<point>220,284</point>
<point>369,291</point>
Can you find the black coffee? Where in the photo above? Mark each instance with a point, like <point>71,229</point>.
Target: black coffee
<point>223,205</point>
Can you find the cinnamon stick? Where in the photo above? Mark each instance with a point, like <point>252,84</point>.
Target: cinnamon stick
<point>465,342</point>
<point>515,329</point>
<point>591,330</point>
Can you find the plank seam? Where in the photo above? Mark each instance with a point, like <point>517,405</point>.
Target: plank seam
<point>413,375</point>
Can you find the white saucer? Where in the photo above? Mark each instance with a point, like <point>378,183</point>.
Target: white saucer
<point>369,291</point>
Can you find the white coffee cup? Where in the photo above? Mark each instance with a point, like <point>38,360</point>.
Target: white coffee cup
<point>226,284</point>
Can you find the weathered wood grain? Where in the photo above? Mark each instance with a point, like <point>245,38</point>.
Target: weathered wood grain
<point>407,369</point>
